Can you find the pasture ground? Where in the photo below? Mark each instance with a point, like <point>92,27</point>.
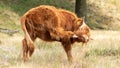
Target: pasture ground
<point>102,52</point>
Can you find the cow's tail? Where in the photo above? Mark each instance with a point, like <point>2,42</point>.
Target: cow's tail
<point>28,39</point>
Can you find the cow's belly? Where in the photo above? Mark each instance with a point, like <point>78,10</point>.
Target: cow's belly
<point>44,35</point>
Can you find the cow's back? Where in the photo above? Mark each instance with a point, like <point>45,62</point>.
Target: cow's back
<point>70,19</point>
<point>43,15</point>
<point>42,20</point>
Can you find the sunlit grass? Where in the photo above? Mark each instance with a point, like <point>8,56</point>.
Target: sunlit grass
<point>101,52</point>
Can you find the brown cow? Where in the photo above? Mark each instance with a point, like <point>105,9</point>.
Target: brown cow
<point>51,24</point>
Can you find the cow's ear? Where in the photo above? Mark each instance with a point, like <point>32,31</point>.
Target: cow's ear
<point>79,22</point>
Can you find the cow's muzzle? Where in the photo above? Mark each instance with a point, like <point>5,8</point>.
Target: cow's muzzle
<point>82,38</point>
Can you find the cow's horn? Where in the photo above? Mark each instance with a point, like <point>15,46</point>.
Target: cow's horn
<point>75,36</point>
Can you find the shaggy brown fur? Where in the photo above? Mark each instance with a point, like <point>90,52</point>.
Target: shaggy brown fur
<point>84,31</point>
<point>78,29</point>
<point>51,24</point>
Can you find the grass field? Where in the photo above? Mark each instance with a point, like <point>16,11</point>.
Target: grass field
<point>102,52</point>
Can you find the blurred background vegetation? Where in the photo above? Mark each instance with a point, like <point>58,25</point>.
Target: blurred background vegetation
<point>101,14</point>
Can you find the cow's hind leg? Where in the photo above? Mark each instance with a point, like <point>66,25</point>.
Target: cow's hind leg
<point>31,45</point>
<point>25,50</point>
<point>28,48</point>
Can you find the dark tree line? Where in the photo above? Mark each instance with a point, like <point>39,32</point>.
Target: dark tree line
<point>80,8</point>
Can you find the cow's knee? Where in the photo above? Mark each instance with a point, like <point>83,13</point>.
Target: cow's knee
<point>31,48</point>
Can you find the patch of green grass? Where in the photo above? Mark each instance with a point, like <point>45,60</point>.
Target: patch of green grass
<point>103,14</point>
<point>8,18</point>
<point>103,52</point>
<point>22,6</point>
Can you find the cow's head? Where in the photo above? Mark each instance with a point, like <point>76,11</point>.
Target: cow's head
<point>82,31</point>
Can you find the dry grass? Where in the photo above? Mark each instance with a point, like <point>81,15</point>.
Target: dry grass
<point>102,52</point>
<point>101,18</point>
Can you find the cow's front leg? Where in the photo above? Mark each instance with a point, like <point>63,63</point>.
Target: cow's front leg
<point>68,50</point>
